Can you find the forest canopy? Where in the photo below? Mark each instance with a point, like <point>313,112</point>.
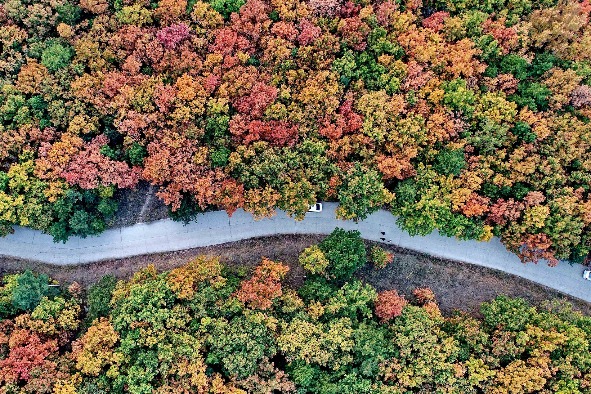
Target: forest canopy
<point>205,328</point>
<point>470,117</point>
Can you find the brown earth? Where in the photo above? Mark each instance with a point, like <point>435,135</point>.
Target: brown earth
<point>138,205</point>
<point>457,285</point>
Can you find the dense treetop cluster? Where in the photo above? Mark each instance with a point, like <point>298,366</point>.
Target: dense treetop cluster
<point>471,117</point>
<point>202,328</point>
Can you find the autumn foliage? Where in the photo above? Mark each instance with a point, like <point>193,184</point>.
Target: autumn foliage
<point>448,112</point>
<point>207,328</point>
<point>389,305</point>
<point>264,285</point>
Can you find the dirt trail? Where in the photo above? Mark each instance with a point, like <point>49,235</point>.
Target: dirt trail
<point>147,202</point>
<point>138,205</point>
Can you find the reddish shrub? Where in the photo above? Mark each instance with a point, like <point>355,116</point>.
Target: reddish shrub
<point>171,36</point>
<point>436,20</point>
<point>309,32</point>
<point>264,285</point>
<point>27,351</point>
<point>257,101</point>
<point>424,295</point>
<point>389,304</point>
<point>349,10</point>
<point>537,247</point>
<point>581,96</point>
<point>325,7</point>
<point>354,32</point>
<point>279,133</point>
<point>285,30</point>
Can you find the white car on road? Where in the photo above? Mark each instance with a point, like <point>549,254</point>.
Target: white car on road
<point>587,274</point>
<point>316,207</point>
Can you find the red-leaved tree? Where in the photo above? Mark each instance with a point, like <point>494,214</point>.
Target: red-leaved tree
<point>389,304</point>
<point>171,36</point>
<point>264,285</point>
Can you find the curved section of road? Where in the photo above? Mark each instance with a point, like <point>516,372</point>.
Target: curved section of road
<point>214,228</point>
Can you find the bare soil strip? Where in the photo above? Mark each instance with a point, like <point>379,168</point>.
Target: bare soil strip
<point>147,202</point>
<point>457,285</point>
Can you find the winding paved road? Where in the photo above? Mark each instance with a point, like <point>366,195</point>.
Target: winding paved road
<point>215,228</point>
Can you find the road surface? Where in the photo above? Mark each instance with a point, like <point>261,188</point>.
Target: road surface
<point>214,228</point>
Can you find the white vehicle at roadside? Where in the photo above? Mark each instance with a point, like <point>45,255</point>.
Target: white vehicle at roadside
<point>316,207</point>
<point>587,274</point>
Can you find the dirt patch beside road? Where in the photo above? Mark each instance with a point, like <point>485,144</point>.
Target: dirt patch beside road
<point>139,205</point>
<point>457,285</point>
<point>245,253</point>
